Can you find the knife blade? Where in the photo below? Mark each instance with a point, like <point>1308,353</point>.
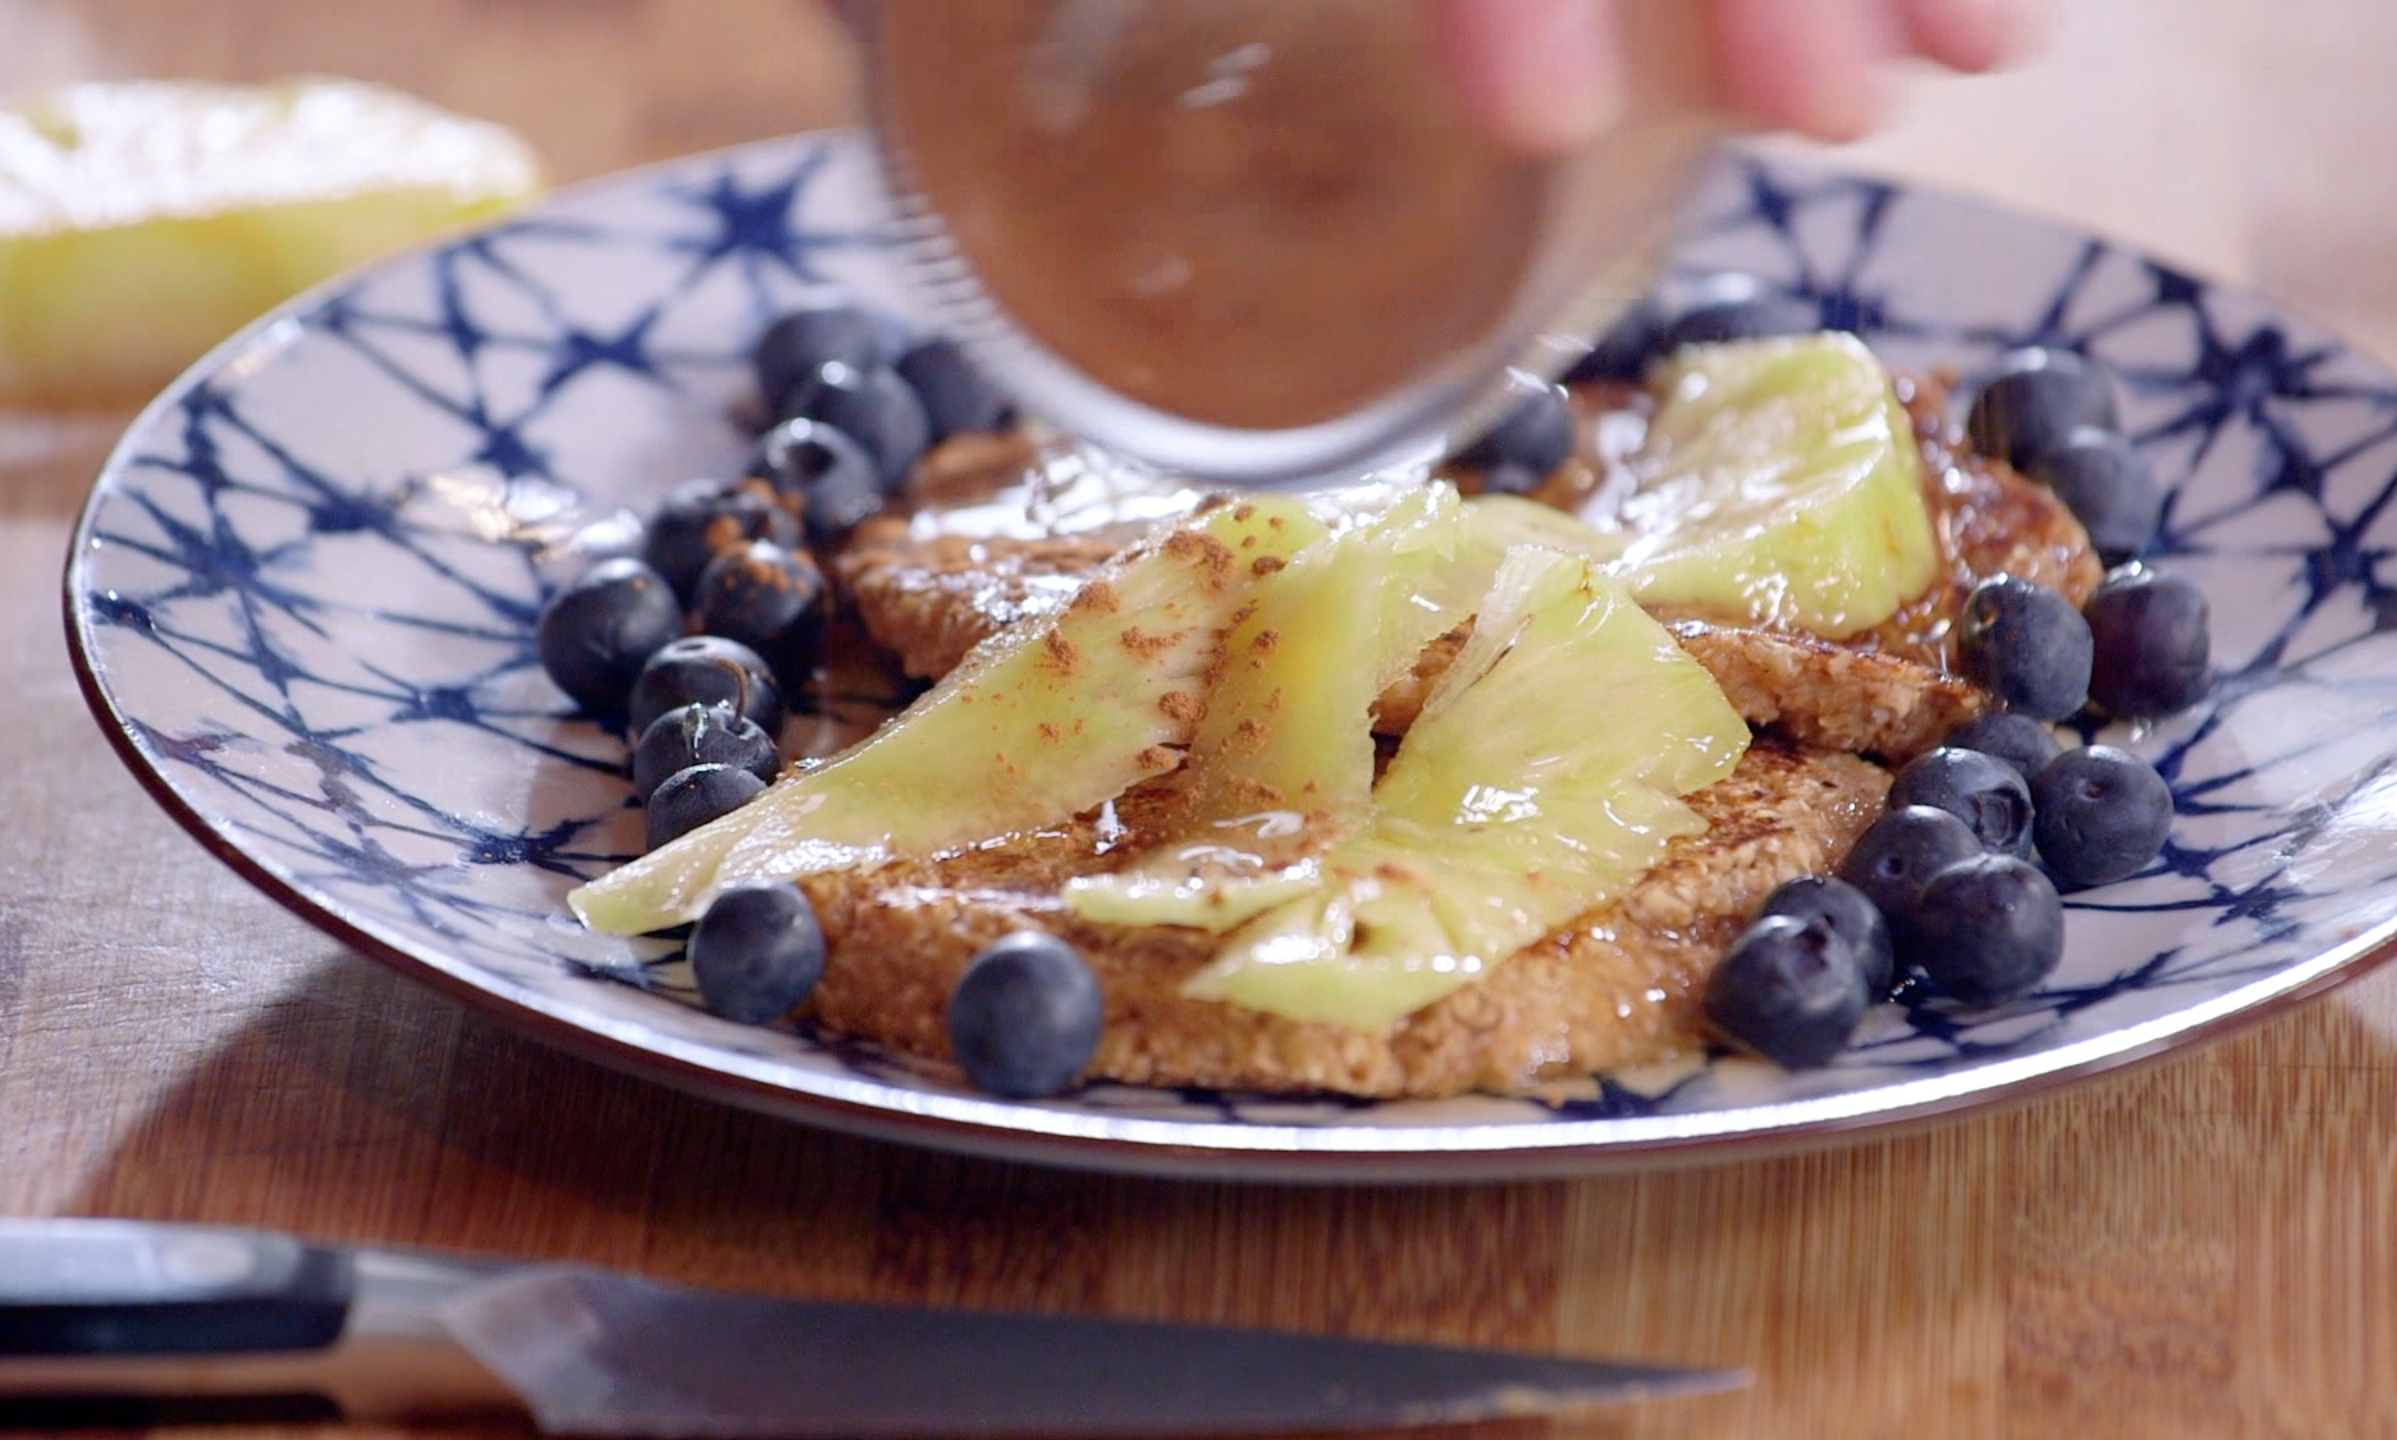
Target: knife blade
<point>98,1313</point>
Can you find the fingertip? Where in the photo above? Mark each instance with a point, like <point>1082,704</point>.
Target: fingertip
<point>1976,35</point>
<point>1812,69</point>
<point>1540,76</point>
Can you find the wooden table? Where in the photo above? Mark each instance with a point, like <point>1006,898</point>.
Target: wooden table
<point>2206,1246</point>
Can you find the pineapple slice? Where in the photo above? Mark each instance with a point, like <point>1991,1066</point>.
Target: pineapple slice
<point>143,221</point>
<point>1780,485</point>
<point>1284,760</point>
<point>1040,723</point>
<point>1504,813</point>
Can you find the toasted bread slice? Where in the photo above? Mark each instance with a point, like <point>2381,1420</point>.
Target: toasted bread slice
<point>1619,986</point>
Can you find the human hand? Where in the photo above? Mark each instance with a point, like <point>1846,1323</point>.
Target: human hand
<point>1542,74</point>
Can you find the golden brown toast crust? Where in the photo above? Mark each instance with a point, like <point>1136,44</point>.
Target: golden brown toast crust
<point>1617,987</point>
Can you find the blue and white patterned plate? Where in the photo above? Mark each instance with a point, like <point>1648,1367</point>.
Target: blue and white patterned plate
<point>303,591</point>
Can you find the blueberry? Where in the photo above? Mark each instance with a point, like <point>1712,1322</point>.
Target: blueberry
<point>2035,402</point>
<point>706,670</point>
<point>701,519</point>
<point>2103,814</point>
<point>828,476</point>
<point>1987,794</point>
<point>2107,484</point>
<point>1622,351</point>
<point>957,398</point>
<point>1990,929</point>
<point>1894,858</point>
<point>594,636</point>
<point>1534,436</point>
<point>1738,307</point>
<point>2019,740</point>
<point>2153,651</point>
<point>872,406</point>
<point>2026,645</point>
<point>769,599</point>
<point>691,797</point>
<point>701,735</point>
<point>804,341</point>
<point>1851,916</point>
<point>756,953</point>
<point>1024,1017</point>
<point>1790,990</point>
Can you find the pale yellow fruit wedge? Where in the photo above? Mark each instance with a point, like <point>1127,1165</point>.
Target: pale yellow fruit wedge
<point>143,221</point>
<point>1039,724</point>
<point>1283,761</point>
<point>1779,485</point>
<point>1543,777</point>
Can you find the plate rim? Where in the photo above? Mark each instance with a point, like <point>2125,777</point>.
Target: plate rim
<point>1170,1147</point>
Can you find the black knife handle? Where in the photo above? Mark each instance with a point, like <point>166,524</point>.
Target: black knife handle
<point>93,1287</point>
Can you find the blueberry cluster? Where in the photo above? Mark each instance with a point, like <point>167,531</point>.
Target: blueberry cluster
<point>2052,415</point>
<point>1962,876</point>
<point>693,644</point>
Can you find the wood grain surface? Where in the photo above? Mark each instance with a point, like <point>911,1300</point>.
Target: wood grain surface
<point>2204,1246</point>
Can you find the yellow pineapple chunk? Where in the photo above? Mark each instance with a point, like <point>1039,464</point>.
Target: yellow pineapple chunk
<point>1543,776</point>
<point>1039,724</point>
<point>1283,762</point>
<point>1779,485</point>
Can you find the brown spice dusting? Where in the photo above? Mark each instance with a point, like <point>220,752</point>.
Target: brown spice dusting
<point>1050,732</point>
<point>1266,641</point>
<point>1182,705</point>
<point>1146,643</point>
<point>1098,598</point>
<point>1158,757</point>
<point>1060,654</point>
<point>1266,565</point>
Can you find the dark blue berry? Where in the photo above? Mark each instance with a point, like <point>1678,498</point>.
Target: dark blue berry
<point>1024,1017</point>
<point>1790,990</point>
<point>594,636</point>
<point>872,406</point>
<point>1738,307</point>
<point>2154,649</point>
<point>769,599</point>
<point>1533,437</point>
<point>2103,814</point>
<point>1987,794</point>
<point>691,797</point>
<point>1989,930</point>
<point>701,519</point>
<point>827,475</point>
<point>802,342</point>
<point>2034,403</point>
<point>756,953</point>
<point>1898,854</point>
<point>706,670</point>
<point>2108,485</point>
<point>958,398</point>
<point>1622,351</point>
<point>2019,740</point>
<point>701,735</point>
<point>2026,645</point>
<point>1850,914</point>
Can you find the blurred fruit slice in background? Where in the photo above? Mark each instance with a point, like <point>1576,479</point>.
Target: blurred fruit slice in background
<point>143,221</point>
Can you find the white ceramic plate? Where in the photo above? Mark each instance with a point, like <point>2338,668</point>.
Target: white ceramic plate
<point>302,595</point>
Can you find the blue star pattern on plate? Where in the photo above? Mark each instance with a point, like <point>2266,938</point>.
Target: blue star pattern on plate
<point>303,592</point>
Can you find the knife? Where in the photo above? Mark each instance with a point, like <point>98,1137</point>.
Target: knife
<point>97,1316</point>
